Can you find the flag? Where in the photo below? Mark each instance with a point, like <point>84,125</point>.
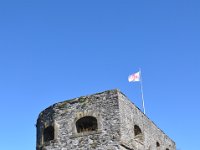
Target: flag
<point>134,77</point>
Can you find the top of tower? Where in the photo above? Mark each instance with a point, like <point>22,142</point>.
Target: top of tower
<point>108,115</point>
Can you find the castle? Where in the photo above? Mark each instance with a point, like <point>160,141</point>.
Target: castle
<point>103,121</point>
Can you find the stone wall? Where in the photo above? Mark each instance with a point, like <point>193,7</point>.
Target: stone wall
<point>111,126</point>
<point>151,137</point>
<point>63,116</point>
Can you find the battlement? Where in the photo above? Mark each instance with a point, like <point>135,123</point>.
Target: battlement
<point>102,121</point>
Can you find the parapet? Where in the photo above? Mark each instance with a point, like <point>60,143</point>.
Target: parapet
<point>102,121</point>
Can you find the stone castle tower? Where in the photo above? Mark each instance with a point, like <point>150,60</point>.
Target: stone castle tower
<point>103,121</point>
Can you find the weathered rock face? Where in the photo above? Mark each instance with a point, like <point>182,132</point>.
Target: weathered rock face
<point>103,121</point>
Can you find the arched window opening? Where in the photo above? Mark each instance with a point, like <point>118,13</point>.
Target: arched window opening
<point>86,124</point>
<point>137,130</point>
<point>167,148</point>
<point>48,133</point>
<point>157,144</point>
<point>138,134</point>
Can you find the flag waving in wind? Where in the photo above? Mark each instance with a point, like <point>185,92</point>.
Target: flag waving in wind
<point>134,77</point>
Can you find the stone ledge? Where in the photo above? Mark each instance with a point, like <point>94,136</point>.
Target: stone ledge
<point>86,133</point>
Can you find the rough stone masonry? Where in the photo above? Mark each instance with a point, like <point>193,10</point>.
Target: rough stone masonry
<point>103,121</point>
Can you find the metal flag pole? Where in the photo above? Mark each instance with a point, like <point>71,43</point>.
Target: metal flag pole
<point>141,87</point>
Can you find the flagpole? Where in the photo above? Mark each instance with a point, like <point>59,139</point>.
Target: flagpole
<point>141,87</point>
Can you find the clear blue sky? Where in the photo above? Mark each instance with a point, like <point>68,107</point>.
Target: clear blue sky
<point>56,50</point>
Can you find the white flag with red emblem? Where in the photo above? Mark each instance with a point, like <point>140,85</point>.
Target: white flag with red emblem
<point>134,77</point>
